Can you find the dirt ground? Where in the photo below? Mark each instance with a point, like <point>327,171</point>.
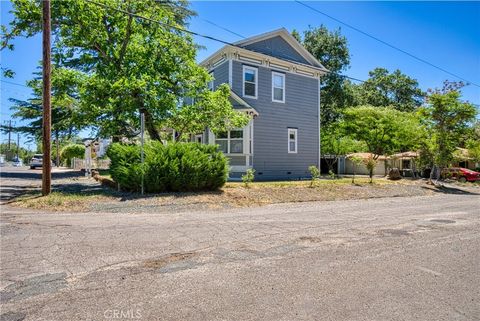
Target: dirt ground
<point>74,192</point>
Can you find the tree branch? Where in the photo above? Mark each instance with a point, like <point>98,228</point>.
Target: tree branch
<point>126,40</point>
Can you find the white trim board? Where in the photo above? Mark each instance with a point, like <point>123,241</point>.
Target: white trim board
<point>255,58</point>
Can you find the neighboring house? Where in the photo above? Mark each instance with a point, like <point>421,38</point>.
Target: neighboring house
<point>406,162</point>
<point>276,81</point>
<point>98,146</point>
<point>463,159</point>
<point>380,168</point>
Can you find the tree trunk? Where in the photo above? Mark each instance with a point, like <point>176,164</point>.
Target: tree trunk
<point>150,127</point>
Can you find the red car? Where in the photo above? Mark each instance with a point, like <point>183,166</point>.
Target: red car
<point>462,174</point>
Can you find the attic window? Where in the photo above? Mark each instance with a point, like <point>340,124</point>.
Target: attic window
<point>250,82</point>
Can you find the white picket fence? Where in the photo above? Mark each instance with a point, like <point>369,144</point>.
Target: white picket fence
<point>79,163</point>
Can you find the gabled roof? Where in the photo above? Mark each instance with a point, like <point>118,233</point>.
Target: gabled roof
<point>285,35</point>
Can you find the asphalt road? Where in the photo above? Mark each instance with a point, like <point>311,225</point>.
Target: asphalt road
<point>382,259</point>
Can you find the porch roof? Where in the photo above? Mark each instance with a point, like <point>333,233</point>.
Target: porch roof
<point>365,156</point>
<point>241,105</point>
<point>409,154</point>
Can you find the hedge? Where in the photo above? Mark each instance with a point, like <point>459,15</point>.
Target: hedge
<point>70,151</point>
<point>176,167</point>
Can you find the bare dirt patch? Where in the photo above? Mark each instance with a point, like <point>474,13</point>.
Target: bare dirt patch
<point>171,258</point>
<point>74,198</point>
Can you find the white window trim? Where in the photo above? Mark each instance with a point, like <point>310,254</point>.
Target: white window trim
<point>211,83</point>
<point>295,131</point>
<point>228,139</point>
<point>199,136</point>
<point>256,81</point>
<point>274,73</point>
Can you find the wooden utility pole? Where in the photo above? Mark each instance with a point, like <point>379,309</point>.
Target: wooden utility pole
<point>9,134</point>
<point>142,130</point>
<point>9,122</point>
<point>18,146</point>
<point>47,112</point>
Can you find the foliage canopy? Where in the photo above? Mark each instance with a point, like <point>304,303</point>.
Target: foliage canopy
<point>129,65</point>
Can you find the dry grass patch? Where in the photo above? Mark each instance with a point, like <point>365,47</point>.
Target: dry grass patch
<point>231,195</point>
<point>60,201</point>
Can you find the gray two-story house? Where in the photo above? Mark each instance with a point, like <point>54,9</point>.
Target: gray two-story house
<point>274,79</point>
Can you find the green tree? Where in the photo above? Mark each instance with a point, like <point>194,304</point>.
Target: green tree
<point>335,142</point>
<point>210,109</point>
<point>356,161</point>
<point>473,143</point>
<point>391,89</point>
<point>331,49</point>
<point>66,118</point>
<point>70,151</point>
<point>449,121</point>
<point>384,130</point>
<point>130,65</point>
<point>11,153</point>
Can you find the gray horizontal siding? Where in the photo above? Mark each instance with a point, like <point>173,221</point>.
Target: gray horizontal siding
<point>300,110</point>
<point>277,47</point>
<point>236,160</point>
<point>220,73</point>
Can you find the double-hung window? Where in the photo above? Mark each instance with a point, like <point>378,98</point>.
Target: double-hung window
<point>250,82</point>
<point>278,87</point>
<point>210,84</point>
<point>292,141</point>
<point>230,142</point>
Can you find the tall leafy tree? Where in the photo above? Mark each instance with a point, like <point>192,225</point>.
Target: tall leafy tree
<point>130,65</point>
<point>334,143</point>
<point>67,119</point>
<point>384,130</point>
<point>449,121</point>
<point>331,49</point>
<point>473,143</point>
<point>391,89</point>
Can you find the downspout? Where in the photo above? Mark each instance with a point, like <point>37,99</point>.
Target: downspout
<point>319,131</point>
<point>251,137</point>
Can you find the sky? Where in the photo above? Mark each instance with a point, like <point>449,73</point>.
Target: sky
<point>446,34</point>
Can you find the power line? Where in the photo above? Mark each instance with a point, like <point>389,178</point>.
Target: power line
<point>13,83</point>
<point>386,43</point>
<point>223,28</point>
<point>159,22</point>
<point>196,33</point>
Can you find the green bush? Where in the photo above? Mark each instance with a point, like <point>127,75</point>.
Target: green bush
<point>248,177</point>
<point>315,173</point>
<point>69,152</point>
<point>176,167</point>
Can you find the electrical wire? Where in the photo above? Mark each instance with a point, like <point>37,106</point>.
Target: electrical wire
<point>386,43</point>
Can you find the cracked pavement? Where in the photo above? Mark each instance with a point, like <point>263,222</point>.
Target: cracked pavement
<point>413,258</point>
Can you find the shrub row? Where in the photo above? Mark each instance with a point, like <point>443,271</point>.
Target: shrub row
<point>176,167</point>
